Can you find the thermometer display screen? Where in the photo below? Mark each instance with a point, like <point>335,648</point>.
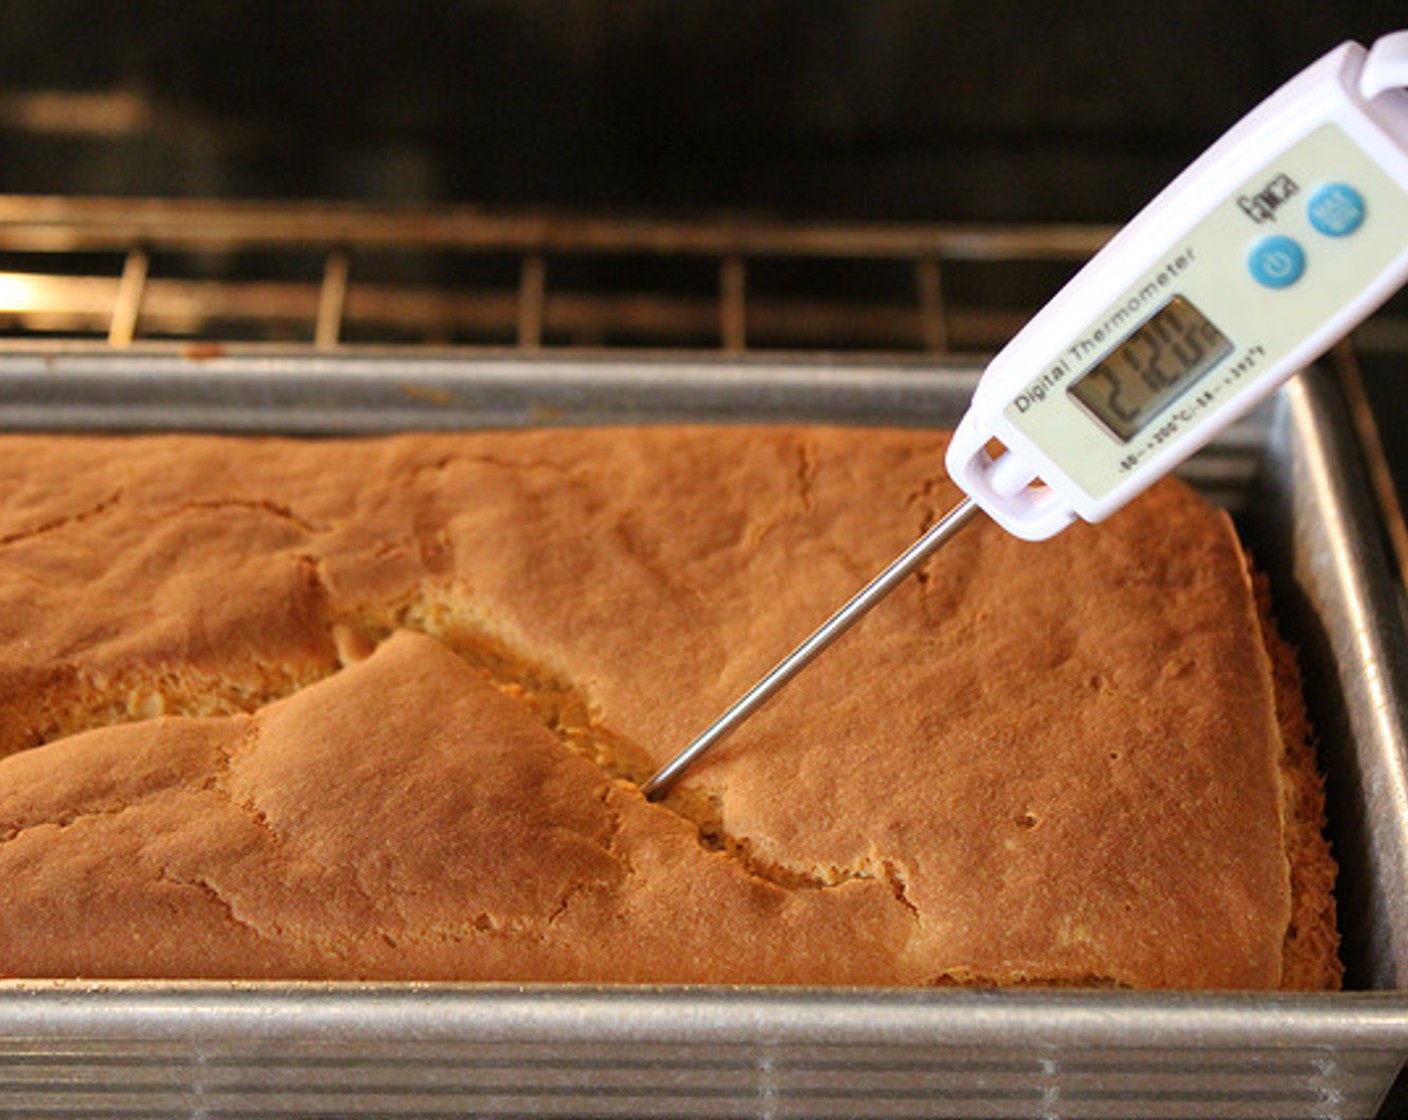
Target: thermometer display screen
<point>1165,355</point>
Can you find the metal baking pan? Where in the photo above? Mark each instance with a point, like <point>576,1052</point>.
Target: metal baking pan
<point>1292,475</point>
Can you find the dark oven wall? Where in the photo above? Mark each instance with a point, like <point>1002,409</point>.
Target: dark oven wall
<point>892,110</point>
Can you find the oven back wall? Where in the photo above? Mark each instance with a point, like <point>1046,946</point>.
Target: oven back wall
<point>894,110</point>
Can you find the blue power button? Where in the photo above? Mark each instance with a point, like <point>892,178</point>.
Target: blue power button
<point>1276,262</point>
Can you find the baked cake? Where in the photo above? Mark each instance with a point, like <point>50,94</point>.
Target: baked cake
<point>378,708</point>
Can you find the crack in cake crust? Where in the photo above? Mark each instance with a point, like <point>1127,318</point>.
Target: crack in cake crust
<point>556,705</point>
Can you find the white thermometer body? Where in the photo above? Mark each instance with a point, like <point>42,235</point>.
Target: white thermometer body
<point>1266,251</point>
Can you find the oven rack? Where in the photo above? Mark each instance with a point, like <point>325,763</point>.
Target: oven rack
<point>331,276</point>
<point>336,275</point>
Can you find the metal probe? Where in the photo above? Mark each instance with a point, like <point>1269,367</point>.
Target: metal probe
<point>911,559</point>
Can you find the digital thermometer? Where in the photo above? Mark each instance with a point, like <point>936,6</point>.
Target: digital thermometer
<point>1272,246</point>
<point>1267,250</point>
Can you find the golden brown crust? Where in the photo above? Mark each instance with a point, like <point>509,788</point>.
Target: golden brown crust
<point>1036,764</point>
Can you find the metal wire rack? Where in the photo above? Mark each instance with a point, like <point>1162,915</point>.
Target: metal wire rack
<point>328,276</point>
<point>335,275</point>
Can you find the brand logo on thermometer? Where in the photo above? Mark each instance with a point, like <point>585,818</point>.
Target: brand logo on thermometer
<point>1262,206</point>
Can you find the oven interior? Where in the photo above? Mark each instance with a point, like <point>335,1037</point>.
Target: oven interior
<point>896,181</point>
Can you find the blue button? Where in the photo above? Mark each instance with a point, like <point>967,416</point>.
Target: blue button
<point>1336,209</point>
<point>1276,262</point>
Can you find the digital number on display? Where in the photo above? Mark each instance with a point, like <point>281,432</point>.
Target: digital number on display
<point>1166,355</point>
